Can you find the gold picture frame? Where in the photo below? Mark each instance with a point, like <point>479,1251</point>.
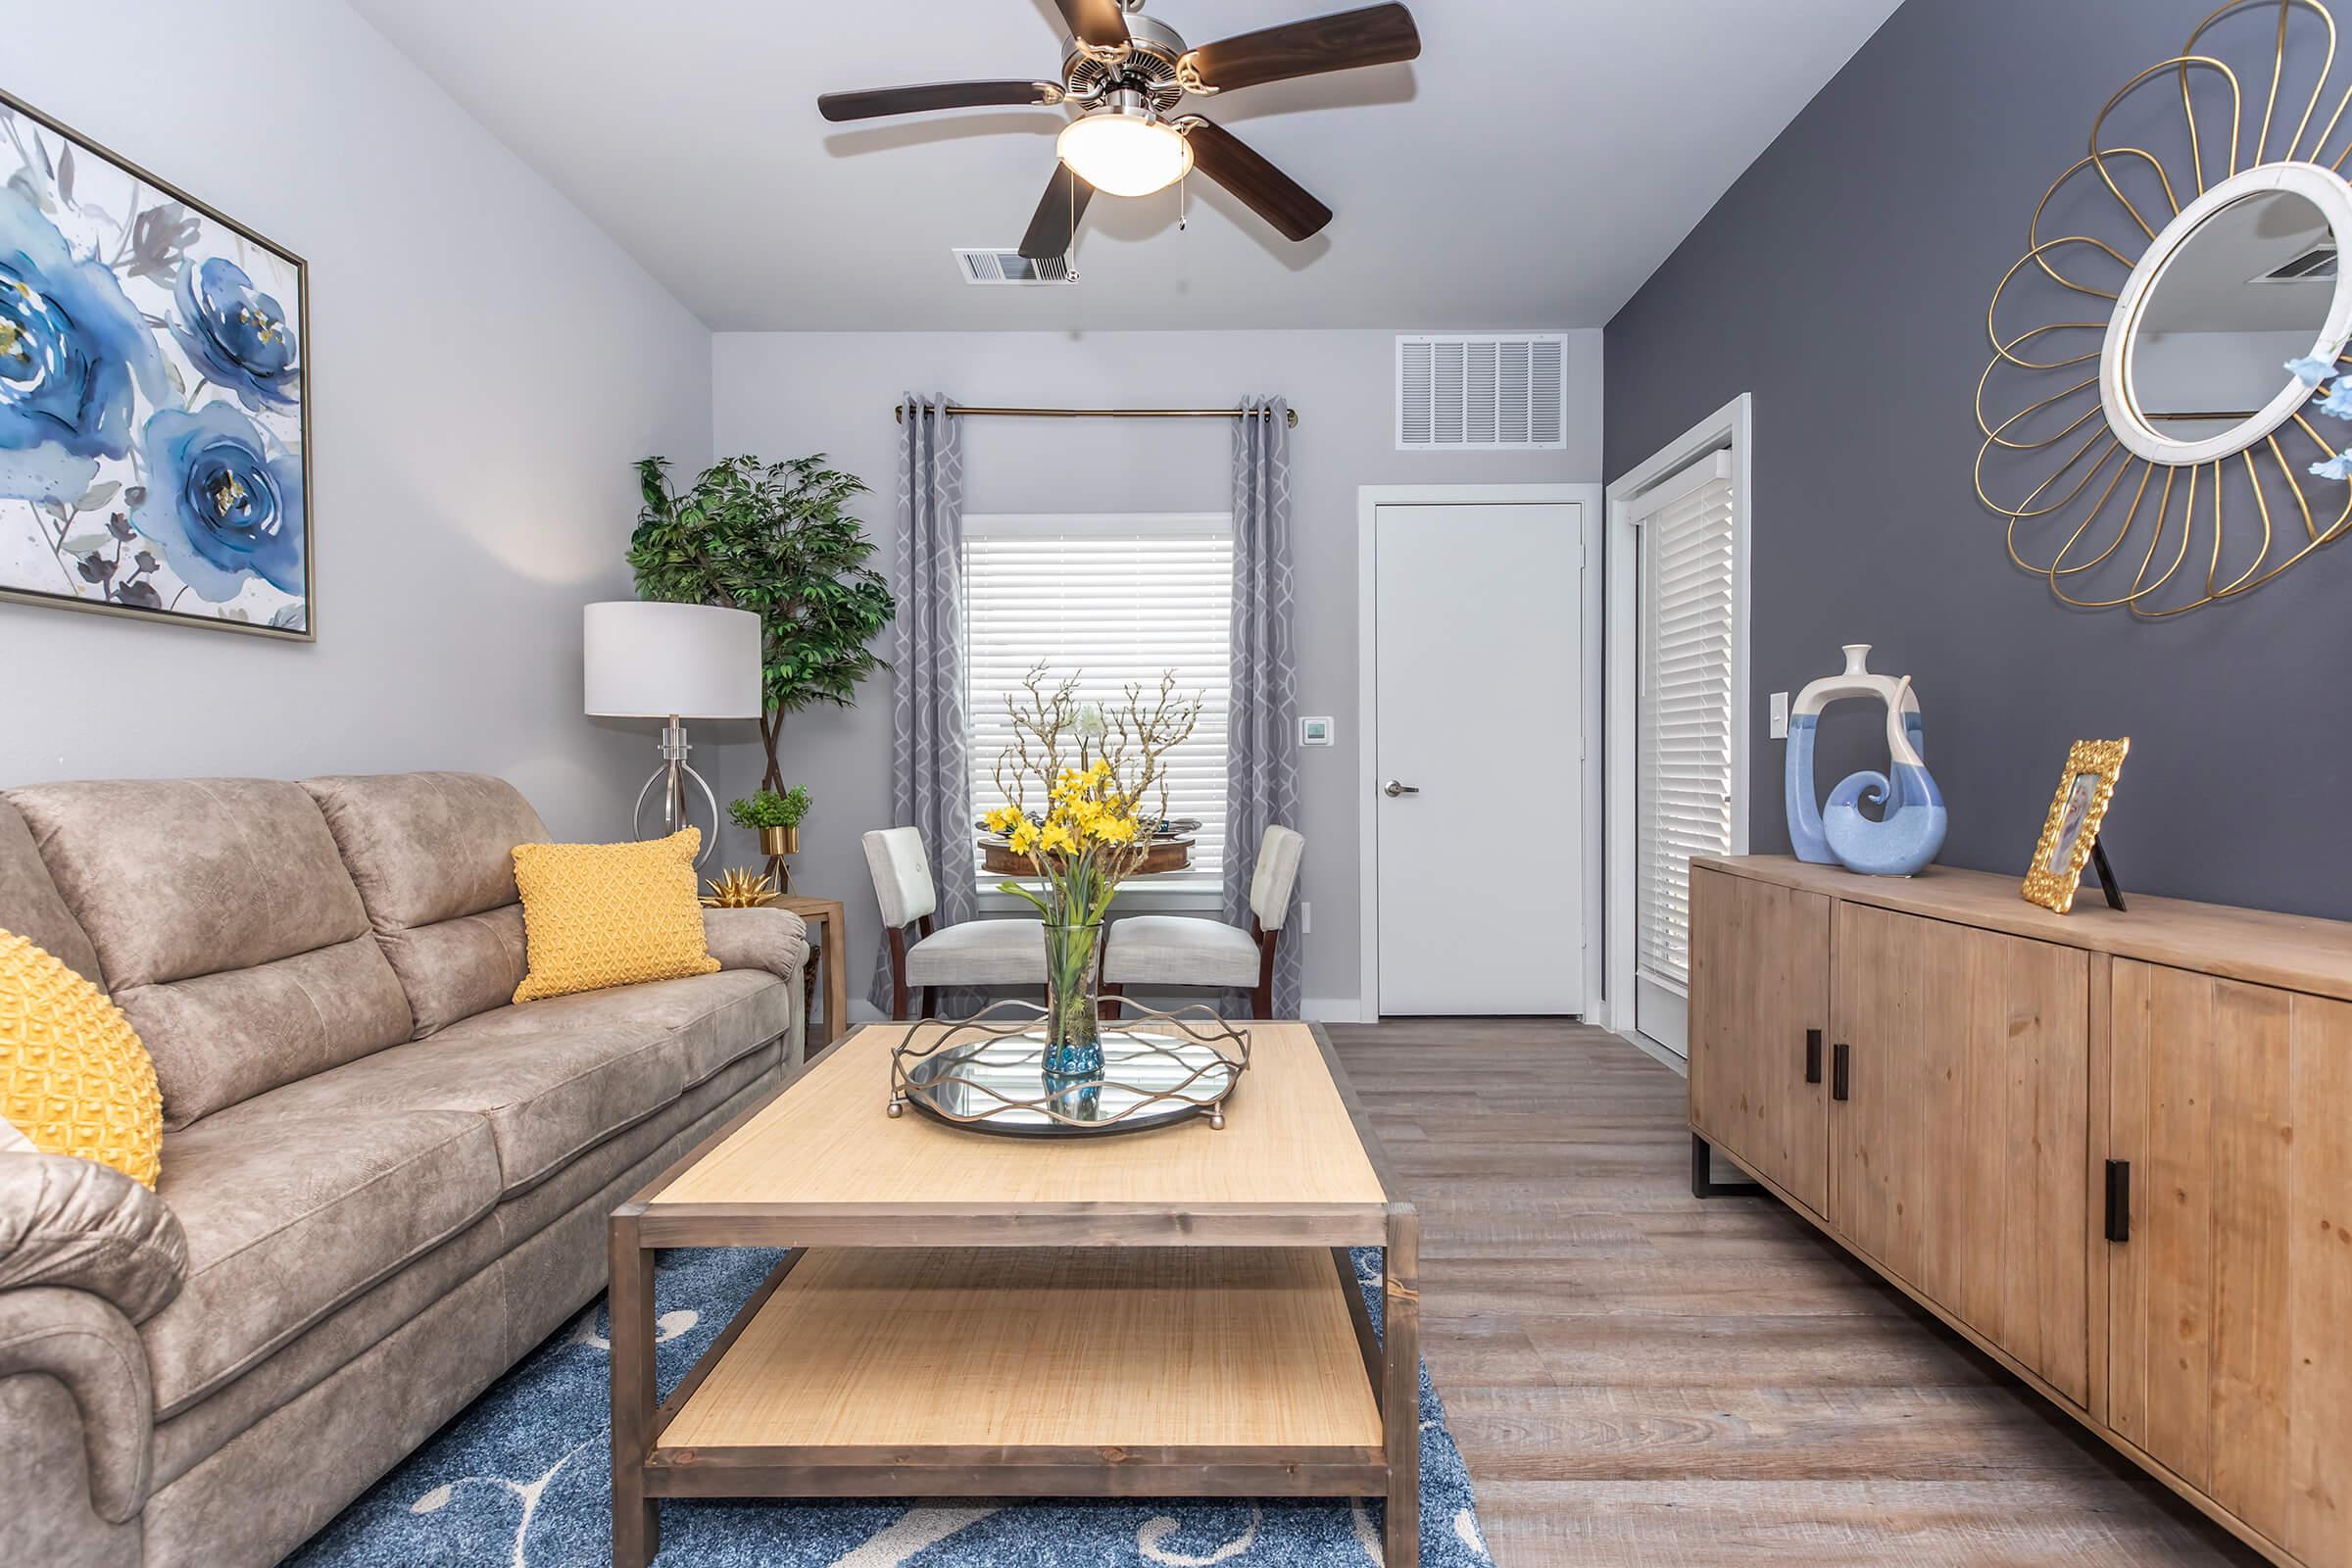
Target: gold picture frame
<point>2071,832</point>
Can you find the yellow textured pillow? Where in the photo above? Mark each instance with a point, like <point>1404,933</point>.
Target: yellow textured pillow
<point>610,914</point>
<point>74,1077</point>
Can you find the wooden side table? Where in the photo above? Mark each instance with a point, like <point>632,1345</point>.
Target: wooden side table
<point>828,924</point>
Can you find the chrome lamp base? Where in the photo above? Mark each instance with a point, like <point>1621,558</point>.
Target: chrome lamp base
<point>671,777</point>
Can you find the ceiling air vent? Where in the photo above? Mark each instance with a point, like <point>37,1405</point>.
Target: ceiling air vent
<point>2316,265</point>
<point>1482,393</point>
<point>1012,267</point>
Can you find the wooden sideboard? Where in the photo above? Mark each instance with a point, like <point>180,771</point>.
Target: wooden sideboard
<point>2112,1148</point>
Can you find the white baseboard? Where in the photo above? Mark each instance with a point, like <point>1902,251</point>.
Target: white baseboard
<point>1650,1047</point>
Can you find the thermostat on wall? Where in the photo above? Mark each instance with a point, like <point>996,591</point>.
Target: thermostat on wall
<point>1314,732</point>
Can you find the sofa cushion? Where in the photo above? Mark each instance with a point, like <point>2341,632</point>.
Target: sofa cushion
<point>553,1078</point>
<point>227,926</point>
<point>453,969</point>
<point>219,1039</point>
<point>181,877</point>
<point>426,848</point>
<point>30,903</point>
<point>288,1216</point>
<point>433,857</point>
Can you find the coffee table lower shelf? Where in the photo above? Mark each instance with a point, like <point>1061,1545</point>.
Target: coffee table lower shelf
<point>1052,1372</point>
<point>1033,1371</point>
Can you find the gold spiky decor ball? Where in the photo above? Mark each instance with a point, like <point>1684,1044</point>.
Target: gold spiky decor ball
<point>741,888</point>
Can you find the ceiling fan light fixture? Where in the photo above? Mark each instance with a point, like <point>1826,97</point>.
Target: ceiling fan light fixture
<point>1125,150</point>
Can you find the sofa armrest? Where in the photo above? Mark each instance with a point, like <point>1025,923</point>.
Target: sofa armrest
<point>83,1344</point>
<point>77,1224</point>
<point>774,940</point>
<point>85,1254</point>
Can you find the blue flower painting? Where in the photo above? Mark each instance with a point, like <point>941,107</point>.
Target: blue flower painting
<point>153,396</point>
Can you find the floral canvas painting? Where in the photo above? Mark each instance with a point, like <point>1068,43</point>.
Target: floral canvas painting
<point>153,396</point>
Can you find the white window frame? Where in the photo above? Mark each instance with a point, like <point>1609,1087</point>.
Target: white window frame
<point>1730,429</point>
<point>1185,892</point>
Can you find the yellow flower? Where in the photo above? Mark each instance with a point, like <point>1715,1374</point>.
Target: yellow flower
<point>1004,820</point>
<point>1023,838</point>
<point>1099,772</point>
<point>1056,836</point>
<point>1116,829</point>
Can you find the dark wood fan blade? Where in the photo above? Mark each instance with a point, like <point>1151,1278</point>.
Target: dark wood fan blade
<point>1058,214</point>
<point>1264,189</point>
<point>1377,35</point>
<point>878,101</point>
<point>1101,23</point>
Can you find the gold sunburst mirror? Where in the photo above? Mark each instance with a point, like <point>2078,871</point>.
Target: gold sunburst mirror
<point>2155,450</point>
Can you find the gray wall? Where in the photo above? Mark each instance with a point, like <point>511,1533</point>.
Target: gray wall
<point>1843,280</point>
<point>487,366</point>
<point>782,394</point>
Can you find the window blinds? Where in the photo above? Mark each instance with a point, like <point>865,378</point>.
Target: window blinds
<point>1114,601</point>
<point>1683,734</point>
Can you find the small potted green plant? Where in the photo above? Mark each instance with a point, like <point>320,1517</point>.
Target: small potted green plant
<point>775,816</point>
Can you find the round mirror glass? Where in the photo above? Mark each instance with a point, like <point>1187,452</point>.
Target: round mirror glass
<point>2250,289</point>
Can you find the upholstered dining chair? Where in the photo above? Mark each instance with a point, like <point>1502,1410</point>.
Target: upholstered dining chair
<point>977,952</point>
<point>1176,949</point>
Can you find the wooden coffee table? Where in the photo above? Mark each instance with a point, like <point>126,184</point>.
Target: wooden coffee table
<point>1169,1313</point>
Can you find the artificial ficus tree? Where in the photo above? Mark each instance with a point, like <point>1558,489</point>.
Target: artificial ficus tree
<point>775,539</point>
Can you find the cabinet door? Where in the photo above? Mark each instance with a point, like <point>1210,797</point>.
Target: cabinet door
<point>1759,980</point>
<point>1960,1155</point>
<point>2229,1327</point>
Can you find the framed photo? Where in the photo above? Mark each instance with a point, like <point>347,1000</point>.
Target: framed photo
<point>2071,830</point>
<point>154,396</point>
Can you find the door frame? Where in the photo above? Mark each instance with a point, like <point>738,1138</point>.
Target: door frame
<point>1369,498</point>
<point>1731,428</point>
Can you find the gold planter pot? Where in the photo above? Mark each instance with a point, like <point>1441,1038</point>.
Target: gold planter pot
<point>774,840</point>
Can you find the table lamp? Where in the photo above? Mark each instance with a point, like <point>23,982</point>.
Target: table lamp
<point>671,663</point>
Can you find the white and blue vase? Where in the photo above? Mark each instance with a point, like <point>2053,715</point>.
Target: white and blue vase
<point>1907,834</point>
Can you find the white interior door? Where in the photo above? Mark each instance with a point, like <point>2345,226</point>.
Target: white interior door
<point>1478,652</point>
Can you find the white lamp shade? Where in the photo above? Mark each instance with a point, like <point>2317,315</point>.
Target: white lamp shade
<point>648,660</point>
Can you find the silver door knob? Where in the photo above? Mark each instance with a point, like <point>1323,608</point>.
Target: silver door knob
<point>1391,789</point>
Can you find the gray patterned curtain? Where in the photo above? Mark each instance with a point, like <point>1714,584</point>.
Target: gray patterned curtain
<point>930,781</point>
<point>1261,767</point>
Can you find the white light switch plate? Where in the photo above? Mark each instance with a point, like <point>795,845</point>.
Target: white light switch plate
<point>1314,732</point>
<point>1780,715</point>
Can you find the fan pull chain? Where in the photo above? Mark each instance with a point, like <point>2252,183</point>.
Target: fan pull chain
<point>1069,246</point>
<point>1182,220</point>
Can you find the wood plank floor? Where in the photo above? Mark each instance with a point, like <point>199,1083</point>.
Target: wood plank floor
<point>1637,1378</point>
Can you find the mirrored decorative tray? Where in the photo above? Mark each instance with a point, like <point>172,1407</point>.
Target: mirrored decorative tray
<point>987,1073</point>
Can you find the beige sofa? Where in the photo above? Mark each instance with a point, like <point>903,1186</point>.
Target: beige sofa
<point>391,1182</point>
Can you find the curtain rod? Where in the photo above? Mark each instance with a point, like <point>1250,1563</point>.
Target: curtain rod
<point>899,412</point>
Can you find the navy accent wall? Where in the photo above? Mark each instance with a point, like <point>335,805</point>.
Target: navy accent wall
<point>1843,282</point>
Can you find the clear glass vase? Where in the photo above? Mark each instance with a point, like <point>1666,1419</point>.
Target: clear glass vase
<point>1073,1033</point>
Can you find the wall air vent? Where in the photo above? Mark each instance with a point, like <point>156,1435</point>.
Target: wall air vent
<point>1482,393</point>
<point>1010,266</point>
<point>2316,265</point>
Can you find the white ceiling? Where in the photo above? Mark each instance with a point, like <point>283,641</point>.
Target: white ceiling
<point>1531,169</point>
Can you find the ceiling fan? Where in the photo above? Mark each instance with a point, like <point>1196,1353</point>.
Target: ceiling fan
<point>1128,73</point>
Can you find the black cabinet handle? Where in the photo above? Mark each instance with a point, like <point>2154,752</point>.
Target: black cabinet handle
<point>1841,1057</point>
<point>1812,1056</point>
<point>2119,1201</point>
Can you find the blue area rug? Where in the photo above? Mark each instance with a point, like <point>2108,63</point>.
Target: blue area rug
<point>523,1478</point>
